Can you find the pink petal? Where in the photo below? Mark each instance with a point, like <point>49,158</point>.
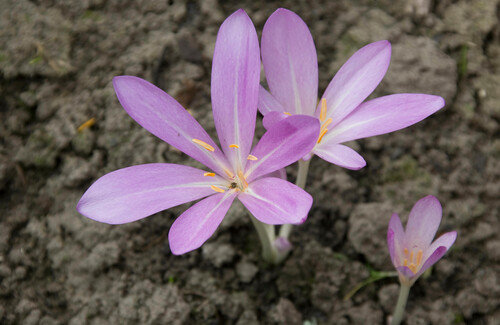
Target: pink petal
<point>390,245</point>
<point>405,271</point>
<point>356,79</point>
<point>275,201</point>
<point>285,143</point>
<point>290,62</point>
<point>136,192</point>
<point>267,103</point>
<point>235,85</point>
<point>383,115</point>
<point>398,238</point>
<point>445,240</point>
<point>423,222</point>
<point>280,173</point>
<point>273,117</point>
<point>340,155</point>
<point>163,116</point>
<point>198,223</point>
<point>435,256</point>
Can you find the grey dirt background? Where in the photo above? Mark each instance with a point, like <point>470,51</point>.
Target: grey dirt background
<point>57,59</point>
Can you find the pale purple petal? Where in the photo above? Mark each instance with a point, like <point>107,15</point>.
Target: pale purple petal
<point>390,245</point>
<point>273,117</point>
<point>356,79</point>
<point>136,192</point>
<point>193,228</point>
<point>160,114</point>
<point>285,143</point>
<point>235,85</point>
<point>423,222</point>
<point>435,256</point>
<point>340,155</point>
<point>290,62</point>
<point>445,240</point>
<point>383,115</point>
<point>398,237</point>
<point>267,103</point>
<point>275,201</point>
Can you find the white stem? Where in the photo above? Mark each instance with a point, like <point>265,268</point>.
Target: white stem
<point>300,182</point>
<point>267,237</point>
<point>404,290</point>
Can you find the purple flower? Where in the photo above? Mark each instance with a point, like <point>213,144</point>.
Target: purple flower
<point>139,191</point>
<point>291,68</point>
<point>412,251</point>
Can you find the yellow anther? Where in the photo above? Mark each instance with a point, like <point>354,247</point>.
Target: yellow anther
<point>204,144</point>
<point>217,189</point>
<point>406,251</point>
<point>413,268</point>
<point>252,157</point>
<point>322,134</point>
<point>209,174</point>
<point>234,146</point>
<point>405,263</point>
<point>228,173</point>
<point>322,113</point>
<point>86,125</point>
<point>411,256</point>
<point>419,257</point>
<point>327,122</point>
<point>286,113</point>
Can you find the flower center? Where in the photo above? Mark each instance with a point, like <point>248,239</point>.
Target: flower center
<point>325,122</point>
<point>236,182</point>
<point>413,259</point>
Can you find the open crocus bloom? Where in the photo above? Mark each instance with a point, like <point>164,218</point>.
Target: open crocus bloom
<point>412,251</point>
<point>136,192</point>
<point>291,68</point>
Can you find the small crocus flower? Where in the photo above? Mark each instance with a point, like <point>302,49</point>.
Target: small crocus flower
<point>139,191</point>
<point>413,251</point>
<point>291,68</point>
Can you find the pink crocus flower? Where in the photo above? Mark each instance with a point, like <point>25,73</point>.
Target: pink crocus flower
<point>413,251</point>
<point>237,170</point>
<point>291,68</point>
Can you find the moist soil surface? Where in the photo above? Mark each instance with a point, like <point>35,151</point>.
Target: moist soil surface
<point>57,60</point>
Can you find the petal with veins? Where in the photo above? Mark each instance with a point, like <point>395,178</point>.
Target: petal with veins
<point>136,192</point>
<point>267,103</point>
<point>340,155</point>
<point>160,114</point>
<point>290,62</point>
<point>235,85</point>
<point>275,201</point>
<point>423,222</point>
<point>198,223</point>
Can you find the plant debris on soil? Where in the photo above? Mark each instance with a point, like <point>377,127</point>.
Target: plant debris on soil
<point>61,127</point>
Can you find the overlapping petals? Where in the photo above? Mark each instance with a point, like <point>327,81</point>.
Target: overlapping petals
<point>136,192</point>
<point>412,252</point>
<point>287,47</point>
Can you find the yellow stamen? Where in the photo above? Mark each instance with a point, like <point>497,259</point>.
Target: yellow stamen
<point>411,256</point>
<point>419,257</point>
<point>327,122</point>
<point>242,178</point>
<point>323,132</point>
<point>286,113</point>
<point>406,251</point>
<point>217,189</point>
<point>405,263</point>
<point>86,125</point>
<point>234,146</point>
<point>228,173</point>
<point>209,174</point>
<point>252,157</point>
<point>322,114</point>
<point>413,268</point>
<point>203,144</point>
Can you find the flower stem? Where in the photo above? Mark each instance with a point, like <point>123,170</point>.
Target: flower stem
<point>301,182</point>
<point>404,290</point>
<point>267,237</point>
